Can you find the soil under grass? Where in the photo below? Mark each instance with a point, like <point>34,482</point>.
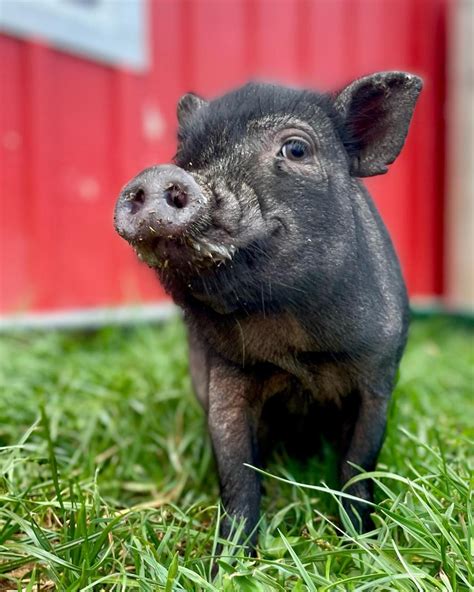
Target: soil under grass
<point>107,479</point>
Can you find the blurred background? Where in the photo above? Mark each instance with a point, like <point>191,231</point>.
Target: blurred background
<point>88,97</point>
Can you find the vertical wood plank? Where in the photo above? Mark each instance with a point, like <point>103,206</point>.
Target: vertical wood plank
<point>460,189</point>
<point>15,276</point>
<point>429,157</point>
<point>219,45</point>
<point>41,136</point>
<point>277,30</point>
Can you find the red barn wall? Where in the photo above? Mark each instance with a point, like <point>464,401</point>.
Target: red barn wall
<point>73,131</point>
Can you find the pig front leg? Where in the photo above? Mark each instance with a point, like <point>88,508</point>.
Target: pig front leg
<point>233,415</point>
<point>363,440</point>
<point>199,368</point>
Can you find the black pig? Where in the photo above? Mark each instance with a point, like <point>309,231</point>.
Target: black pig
<point>291,290</point>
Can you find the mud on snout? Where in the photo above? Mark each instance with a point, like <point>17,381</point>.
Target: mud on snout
<point>164,215</point>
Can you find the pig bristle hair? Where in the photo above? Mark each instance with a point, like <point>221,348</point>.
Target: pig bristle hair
<point>224,121</point>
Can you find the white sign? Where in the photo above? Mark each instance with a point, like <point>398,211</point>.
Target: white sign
<point>112,31</point>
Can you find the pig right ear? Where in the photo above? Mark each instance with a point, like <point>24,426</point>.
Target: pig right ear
<point>187,105</point>
<point>377,111</point>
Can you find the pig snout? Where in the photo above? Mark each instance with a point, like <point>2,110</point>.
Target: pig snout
<point>161,201</point>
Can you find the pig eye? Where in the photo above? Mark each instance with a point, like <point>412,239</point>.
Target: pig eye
<point>295,149</point>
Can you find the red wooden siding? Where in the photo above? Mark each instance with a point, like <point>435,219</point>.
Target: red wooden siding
<point>73,131</point>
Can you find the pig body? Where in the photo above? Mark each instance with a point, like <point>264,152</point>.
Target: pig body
<point>289,283</point>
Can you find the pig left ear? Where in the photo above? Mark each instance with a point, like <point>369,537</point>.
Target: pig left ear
<point>377,111</point>
<point>187,105</point>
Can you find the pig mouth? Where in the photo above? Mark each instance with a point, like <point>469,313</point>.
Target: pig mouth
<point>211,251</point>
<point>203,247</point>
<point>193,250</point>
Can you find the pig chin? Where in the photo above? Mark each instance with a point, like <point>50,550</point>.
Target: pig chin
<point>193,250</point>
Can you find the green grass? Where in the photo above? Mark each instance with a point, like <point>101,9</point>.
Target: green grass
<point>107,480</point>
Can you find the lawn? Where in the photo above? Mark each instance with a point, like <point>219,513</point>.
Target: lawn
<point>107,480</point>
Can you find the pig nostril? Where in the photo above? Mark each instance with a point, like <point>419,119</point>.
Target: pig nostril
<point>176,197</point>
<point>139,196</point>
<point>136,200</point>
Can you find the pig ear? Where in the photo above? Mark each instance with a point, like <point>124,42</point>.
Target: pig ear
<point>187,105</point>
<point>377,111</point>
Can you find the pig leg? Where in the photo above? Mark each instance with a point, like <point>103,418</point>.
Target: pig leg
<point>363,442</point>
<point>233,415</point>
<point>199,369</point>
